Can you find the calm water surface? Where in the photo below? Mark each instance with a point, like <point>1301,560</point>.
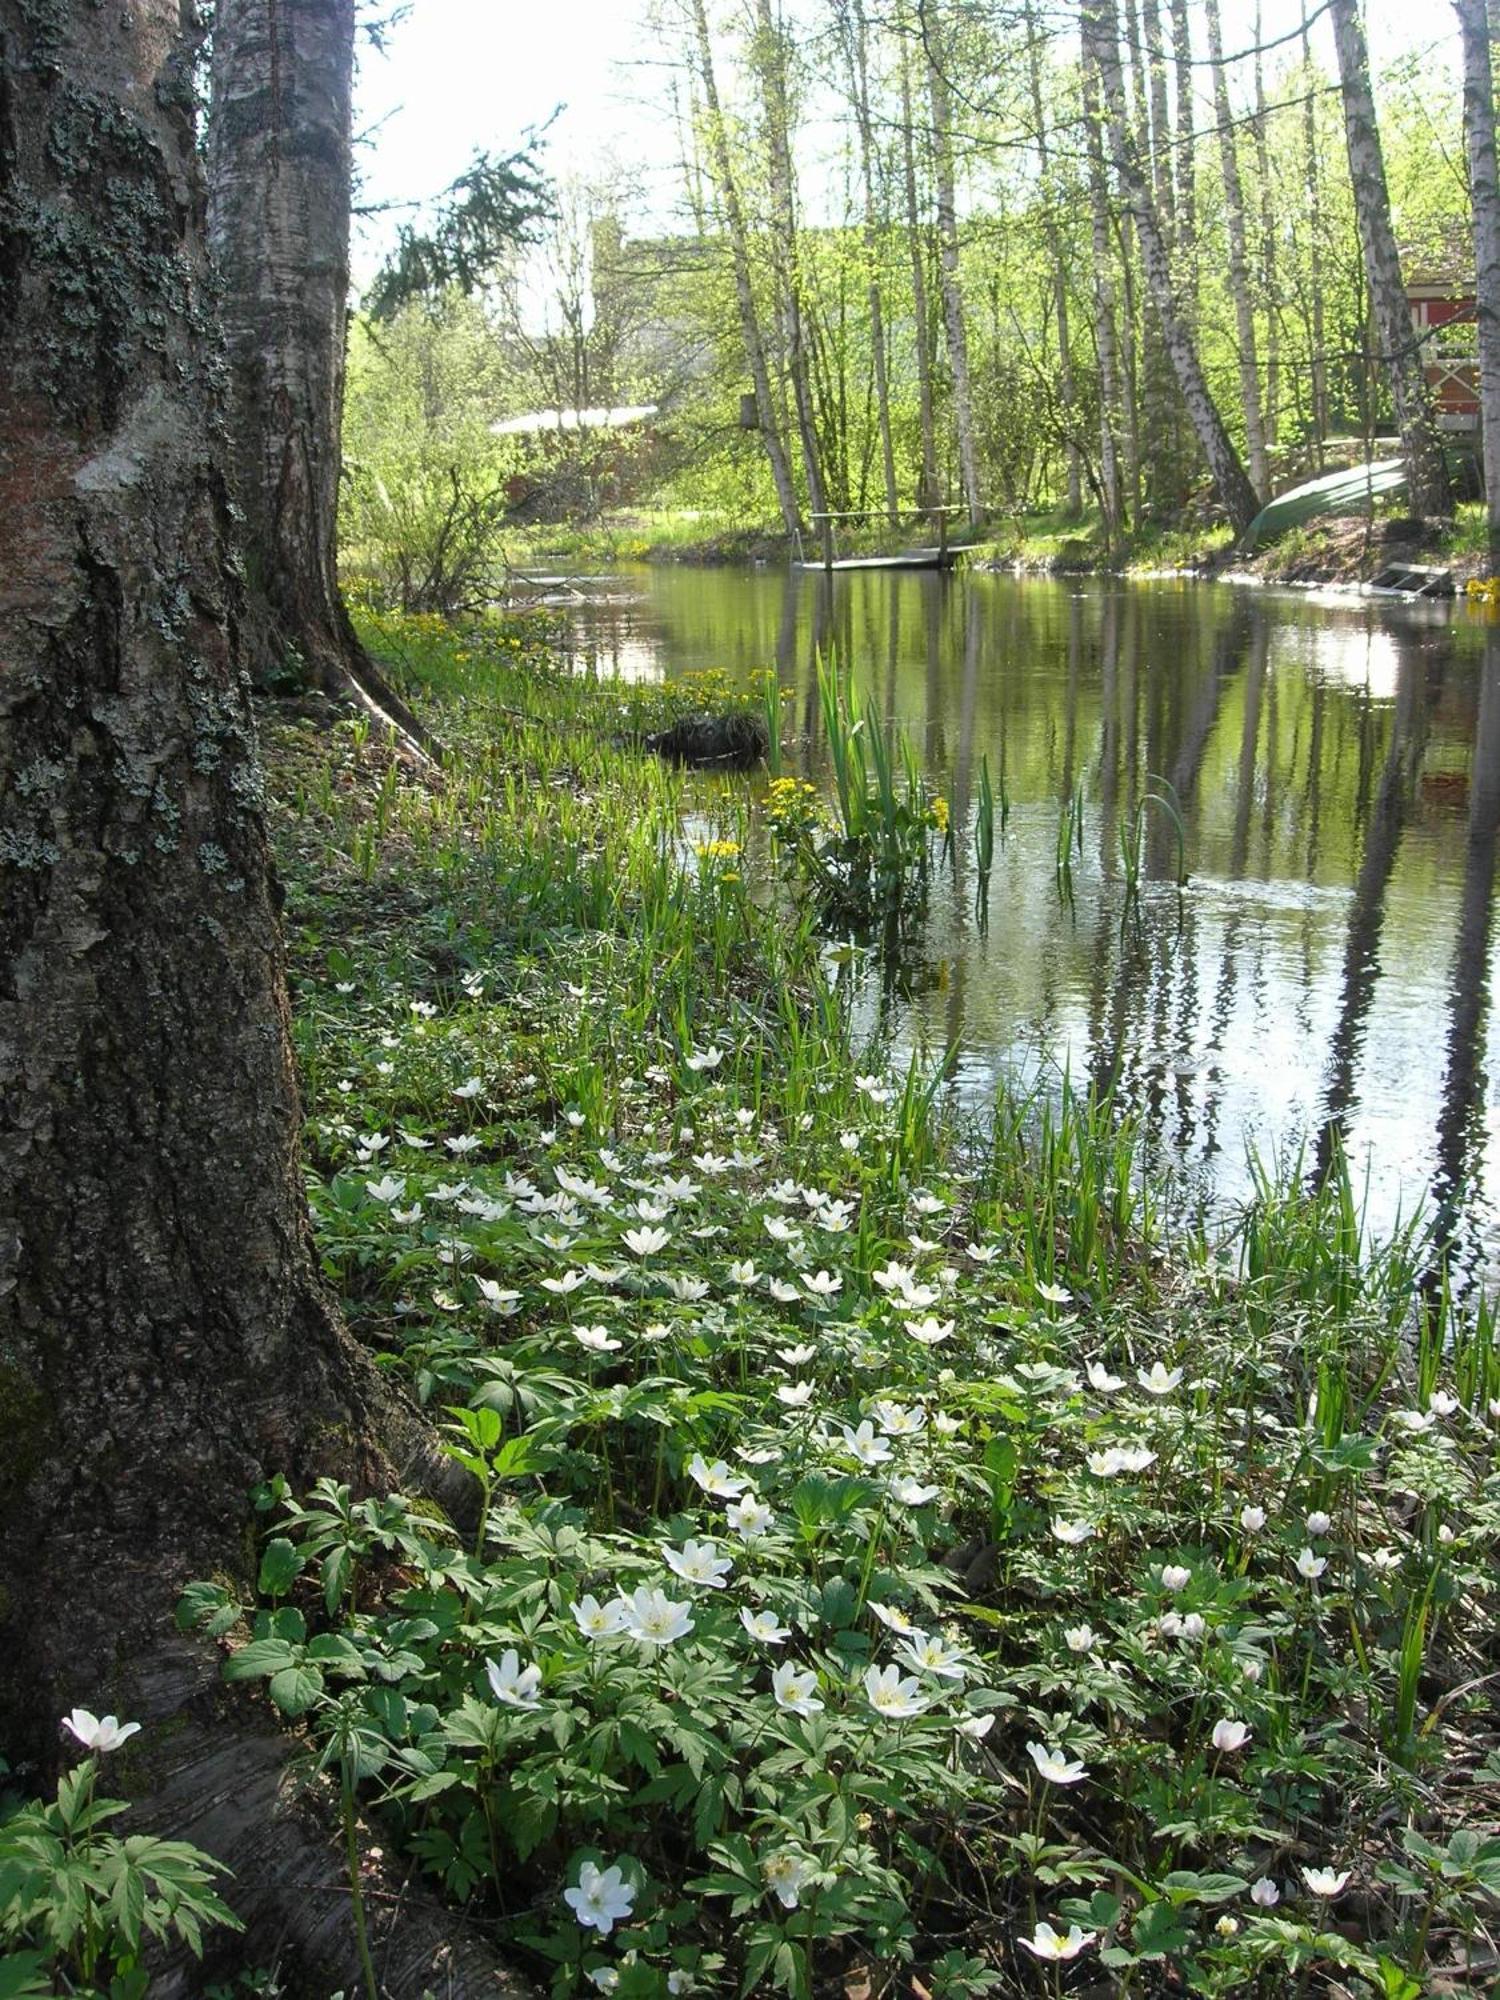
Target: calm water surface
<point>1327,969</point>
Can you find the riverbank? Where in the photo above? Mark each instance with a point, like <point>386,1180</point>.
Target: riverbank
<point>893,1566</point>
<point>1334,551</point>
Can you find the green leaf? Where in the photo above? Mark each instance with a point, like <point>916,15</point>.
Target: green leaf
<point>332,1649</point>
<point>260,1657</point>
<point>23,1976</point>
<point>519,1456</point>
<point>209,1606</point>
<point>1396,1983</point>
<point>1159,1932</point>
<point>281,1563</point>
<point>431,1786</point>
<point>295,1689</point>
<point>127,1902</point>
<point>1001,1464</point>
<point>1183,1886</point>
<point>338,1566</point>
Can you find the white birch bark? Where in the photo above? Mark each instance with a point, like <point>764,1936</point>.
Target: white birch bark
<point>1484,195</point>
<point>770,66</point>
<point>851,19</point>
<point>1421,444</point>
<point>1104,307</point>
<point>1185,162</point>
<point>1055,258</point>
<point>1270,290</point>
<point>930,493</point>
<point>1239,263</point>
<point>948,266</point>
<point>727,188</point>
<point>1236,494</point>
<point>1313,170</point>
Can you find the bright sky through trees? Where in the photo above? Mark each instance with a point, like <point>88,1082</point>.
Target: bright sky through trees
<point>461,75</point>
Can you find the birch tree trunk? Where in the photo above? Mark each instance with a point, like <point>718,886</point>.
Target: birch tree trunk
<point>280,162</point>
<point>1484,194</point>
<point>1161,131</point>
<point>744,287</point>
<point>770,65</point>
<point>930,493</point>
<point>1270,290</point>
<point>164,1337</point>
<point>851,16</point>
<point>1421,444</point>
<point>1104,306</point>
<point>1185,167</point>
<point>1156,481</point>
<point>1236,494</point>
<point>1313,171</point>
<point>1239,263</point>
<point>1056,260</point>
<point>948,266</point>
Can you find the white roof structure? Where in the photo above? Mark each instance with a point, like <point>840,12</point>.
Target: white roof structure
<point>573,420</point>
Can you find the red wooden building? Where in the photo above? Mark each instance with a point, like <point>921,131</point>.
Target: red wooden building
<point>1443,312</point>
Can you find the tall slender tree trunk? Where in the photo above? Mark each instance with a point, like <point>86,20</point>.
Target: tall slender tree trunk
<point>770,66</point>
<point>1161,130</point>
<point>1421,443</point>
<point>744,287</point>
<point>164,1337</point>
<point>1156,426</point>
<point>1057,261</point>
<point>938,57</point>
<point>1484,195</point>
<point>1313,171</point>
<point>1104,307</point>
<point>1185,167</point>
<point>1236,494</point>
<point>1270,289</point>
<point>279,192</point>
<point>1239,263</point>
<point>856,33</point>
<point>930,493</point>
<point>1130,371</point>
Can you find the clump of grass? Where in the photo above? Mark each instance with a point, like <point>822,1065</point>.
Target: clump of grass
<point>869,867</point>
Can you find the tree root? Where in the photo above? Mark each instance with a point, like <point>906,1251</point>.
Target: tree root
<point>221,1778</point>
<point>350,677</point>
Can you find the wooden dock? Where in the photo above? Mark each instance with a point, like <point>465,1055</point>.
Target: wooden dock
<point>907,559</point>
<point>1411,580</point>
<point>942,557</point>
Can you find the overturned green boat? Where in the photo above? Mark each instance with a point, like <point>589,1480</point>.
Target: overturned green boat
<point>1352,491</point>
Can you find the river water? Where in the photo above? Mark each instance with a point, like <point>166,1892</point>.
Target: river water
<point>1328,966</point>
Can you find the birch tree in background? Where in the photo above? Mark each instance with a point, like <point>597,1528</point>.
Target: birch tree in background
<point>1053,237</point>
<point>1421,444</point>
<point>1312,167</point>
<point>1101,47</point>
<point>1270,287</point>
<point>769,61</point>
<point>1186,245</point>
<point>1106,349</point>
<point>929,492</point>
<point>1239,263</point>
<point>726,188</point>
<point>853,29</point>
<point>938,58</point>
<point>1484,194</point>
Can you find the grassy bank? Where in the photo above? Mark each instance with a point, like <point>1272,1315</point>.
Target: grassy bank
<point>895,1565</point>
<point>1333,550</point>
